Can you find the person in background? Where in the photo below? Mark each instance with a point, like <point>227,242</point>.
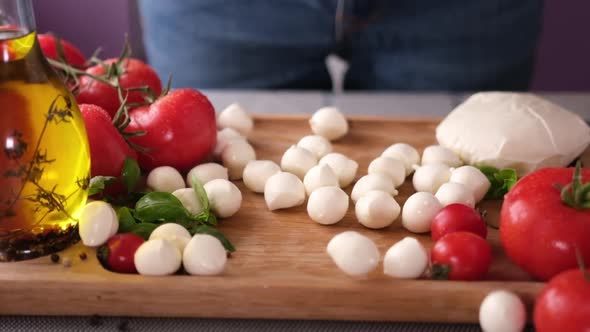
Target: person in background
<point>412,45</point>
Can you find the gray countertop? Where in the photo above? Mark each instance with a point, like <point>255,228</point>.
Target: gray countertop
<point>388,104</point>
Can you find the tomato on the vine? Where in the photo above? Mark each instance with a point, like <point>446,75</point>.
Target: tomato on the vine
<point>72,54</point>
<point>457,217</point>
<point>461,256</point>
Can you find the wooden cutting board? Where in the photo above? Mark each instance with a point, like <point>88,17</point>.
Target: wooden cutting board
<point>280,268</point>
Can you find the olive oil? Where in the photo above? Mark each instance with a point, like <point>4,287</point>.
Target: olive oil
<point>45,158</point>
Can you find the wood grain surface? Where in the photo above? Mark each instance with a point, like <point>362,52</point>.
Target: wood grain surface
<point>280,268</point>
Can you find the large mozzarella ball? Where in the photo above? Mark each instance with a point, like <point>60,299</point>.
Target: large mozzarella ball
<point>257,172</point>
<point>165,178</point>
<point>175,233</point>
<point>329,122</point>
<point>283,190</point>
<point>327,205</point>
<point>205,173</point>
<point>452,192</point>
<point>319,176</point>
<point>344,167</point>
<point>235,156</point>
<point>316,144</point>
<point>353,253</point>
<point>502,311</point>
<point>394,168</point>
<point>298,161</point>
<point>98,222</point>
<point>430,177</point>
<point>157,257</point>
<point>234,116</point>
<point>224,136</point>
<point>436,154</point>
<point>418,212</point>
<point>406,259</point>
<point>376,209</point>
<point>225,197</point>
<point>204,255</point>
<point>404,152</point>
<point>472,178</point>
<point>374,181</point>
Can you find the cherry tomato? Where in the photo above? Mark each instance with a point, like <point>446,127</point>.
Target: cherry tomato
<point>73,55</point>
<point>564,303</point>
<point>461,256</point>
<point>117,254</point>
<point>455,218</point>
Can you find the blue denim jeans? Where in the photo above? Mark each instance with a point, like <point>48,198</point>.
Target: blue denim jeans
<point>419,45</point>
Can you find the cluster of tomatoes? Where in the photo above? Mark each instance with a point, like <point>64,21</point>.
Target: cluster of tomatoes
<point>175,128</point>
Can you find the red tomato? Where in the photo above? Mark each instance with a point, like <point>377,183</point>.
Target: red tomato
<point>461,256</point>
<point>136,74</point>
<point>118,253</point>
<point>458,217</point>
<point>108,149</point>
<point>538,231</point>
<point>73,55</point>
<point>564,303</point>
<point>181,130</point>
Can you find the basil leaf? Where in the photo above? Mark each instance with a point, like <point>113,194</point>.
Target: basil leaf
<point>501,180</point>
<point>130,174</point>
<point>201,193</point>
<point>99,183</point>
<point>144,229</point>
<point>206,229</point>
<point>206,218</point>
<point>160,206</point>
<point>126,220</point>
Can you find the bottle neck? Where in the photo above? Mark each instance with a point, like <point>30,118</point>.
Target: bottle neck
<point>16,18</point>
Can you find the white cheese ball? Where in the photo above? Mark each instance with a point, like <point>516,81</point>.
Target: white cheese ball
<point>405,153</point>
<point>165,178</point>
<point>472,178</point>
<point>353,253</point>
<point>329,122</point>
<point>319,176</point>
<point>344,167</point>
<point>316,144</point>
<point>234,116</point>
<point>283,190</point>
<point>376,209</point>
<point>327,205</point>
<point>97,223</point>
<point>235,156</point>
<point>224,197</point>
<point>436,154</point>
<point>189,200</point>
<point>406,259</point>
<point>298,161</point>
<point>257,172</point>
<point>502,311</point>
<point>450,193</point>
<point>204,255</point>
<point>205,173</point>
<point>418,212</point>
<point>157,257</point>
<point>430,177</point>
<point>172,232</point>
<point>375,181</point>
<point>394,168</point>
<point>225,136</point>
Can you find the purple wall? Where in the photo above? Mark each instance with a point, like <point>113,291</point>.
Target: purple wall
<point>562,64</point>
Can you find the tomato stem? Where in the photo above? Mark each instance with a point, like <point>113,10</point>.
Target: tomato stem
<point>577,193</point>
<point>441,271</point>
<point>581,264</point>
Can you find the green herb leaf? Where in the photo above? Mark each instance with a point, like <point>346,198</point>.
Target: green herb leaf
<point>99,183</point>
<point>144,229</point>
<point>130,174</point>
<point>126,220</point>
<point>206,229</point>
<point>161,206</point>
<point>201,193</point>
<point>501,180</point>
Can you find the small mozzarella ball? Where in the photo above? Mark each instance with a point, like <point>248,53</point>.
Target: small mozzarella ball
<point>225,136</point>
<point>316,144</point>
<point>188,198</point>
<point>257,172</point>
<point>283,190</point>
<point>298,161</point>
<point>430,177</point>
<point>375,181</point>
<point>235,156</point>
<point>473,179</point>
<point>502,311</point>
<point>224,197</point>
<point>376,209</point>
<point>327,205</point>
<point>204,255</point>
<point>353,253</point>
<point>403,152</point>
<point>344,167</point>
<point>407,259</point>
<point>319,176</point>
<point>165,178</point>
<point>235,117</point>
<point>157,257</point>
<point>329,122</point>
<point>436,154</point>
<point>418,212</point>
<point>172,232</point>
<point>205,173</point>
<point>451,192</point>
<point>393,168</point>
<point>97,223</point>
